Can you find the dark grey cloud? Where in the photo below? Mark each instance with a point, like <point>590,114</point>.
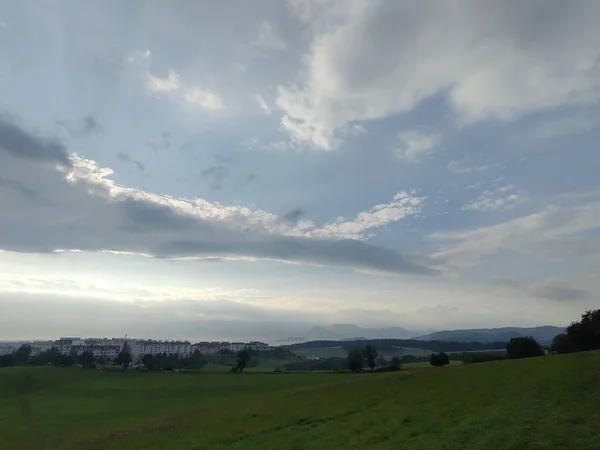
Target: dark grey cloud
<point>126,158</point>
<point>142,216</point>
<point>86,126</point>
<point>294,215</point>
<point>550,290</point>
<point>559,293</point>
<point>216,175</point>
<point>85,215</point>
<point>250,178</point>
<point>21,144</point>
<point>346,253</point>
<point>17,187</point>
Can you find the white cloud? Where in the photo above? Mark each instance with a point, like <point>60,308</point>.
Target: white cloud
<point>162,85</point>
<point>403,205</point>
<point>173,84</point>
<point>262,104</point>
<point>204,98</point>
<point>553,232</point>
<point>463,167</point>
<point>416,146</point>
<point>371,59</point>
<point>77,206</point>
<point>499,199</point>
<point>268,38</point>
<point>566,126</point>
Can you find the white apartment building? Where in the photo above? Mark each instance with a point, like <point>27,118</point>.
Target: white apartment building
<point>109,348</point>
<point>141,347</point>
<point>7,348</point>
<point>38,347</point>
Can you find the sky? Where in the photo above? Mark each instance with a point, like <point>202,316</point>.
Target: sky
<point>238,170</point>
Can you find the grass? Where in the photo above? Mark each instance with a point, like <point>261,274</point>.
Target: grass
<point>541,403</point>
<point>340,352</point>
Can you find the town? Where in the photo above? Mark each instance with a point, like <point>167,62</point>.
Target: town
<point>108,349</point>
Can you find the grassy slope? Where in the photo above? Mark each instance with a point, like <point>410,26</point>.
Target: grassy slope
<point>549,402</point>
<point>326,352</point>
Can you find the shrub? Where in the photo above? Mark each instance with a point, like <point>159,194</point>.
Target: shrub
<point>523,347</point>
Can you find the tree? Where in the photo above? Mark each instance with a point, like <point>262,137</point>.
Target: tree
<point>50,356</point>
<point>356,359</point>
<point>585,334</point>
<point>561,344</point>
<point>149,362</point>
<point>124,359</point>
<point>523,347</point>
<point>396,363</point>
<point>86,359</point>
<point>370,354</point>
<point>22,354</point>
<point>439,359</point>
<point>243,357</point>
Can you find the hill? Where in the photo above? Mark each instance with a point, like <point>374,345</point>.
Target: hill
<point>343,331</point>
<point>543,334</point>
<point>546,402</point>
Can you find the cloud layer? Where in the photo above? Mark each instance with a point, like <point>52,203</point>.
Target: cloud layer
<point>372,59</point>
<point>78,207</point>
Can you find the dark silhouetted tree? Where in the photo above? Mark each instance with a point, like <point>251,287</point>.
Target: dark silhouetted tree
<point>523,347</point>
<point>370,354</point>
<point>439,359</point>
<point>124,359</point>
<point>396,363</point>
<point>22,354</point>
<point>356,359</point>
<point>243,357</point>
<point>561,344</point>
<point>585,334</point>
<point>86,359</point>
<point>148,362</point>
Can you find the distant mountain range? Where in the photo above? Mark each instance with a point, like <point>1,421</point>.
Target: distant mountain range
<point>347,332</point>
<point>543,334</point>
<point>342,331</point>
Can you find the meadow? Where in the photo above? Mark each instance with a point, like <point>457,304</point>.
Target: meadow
<point>546,402</point>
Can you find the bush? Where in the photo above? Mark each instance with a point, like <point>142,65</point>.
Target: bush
<point>523,347</point>
<point>439,359</point>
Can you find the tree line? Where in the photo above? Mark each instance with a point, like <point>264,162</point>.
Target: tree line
<point>397,344</point>
<point>579,336</point>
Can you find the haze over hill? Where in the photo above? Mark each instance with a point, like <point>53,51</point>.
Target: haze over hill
<point>341,332</point>
<point>543,334</point>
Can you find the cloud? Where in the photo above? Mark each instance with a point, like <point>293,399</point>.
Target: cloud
<point>551,289</point>
<point>294,215</point>
<point>216,175</point>
<point>555,233</point>
<point>173,84</point>
<point>204,99</point>
<point>566,126</point>
<point>87,126</point>
<point>499,199</point>
<point>162,85</point>
<point>268,38</point>
<point>125,157</point>
<point>463,167</point>
<point>416,146</point>
<point>88,211</point>
<point>17,187</point>
<point>262,104</point>
<point>372,59</point>
<point>403,205</point>
<point>185,318</point>
<point>21,144</point>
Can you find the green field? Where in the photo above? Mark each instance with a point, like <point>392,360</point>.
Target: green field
<point>545,403</point>
<point>340,352</point>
